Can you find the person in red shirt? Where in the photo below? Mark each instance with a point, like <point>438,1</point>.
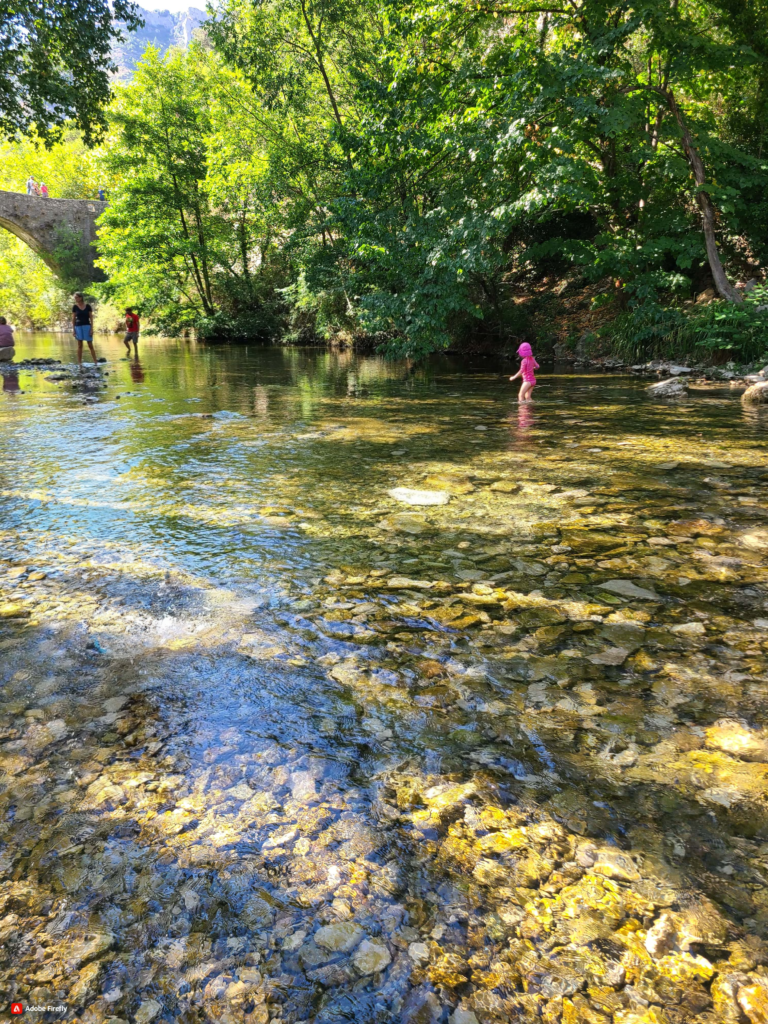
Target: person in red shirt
<point>131,330</point>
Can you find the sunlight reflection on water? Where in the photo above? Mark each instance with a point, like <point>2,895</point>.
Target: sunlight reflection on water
<point>248,696</point>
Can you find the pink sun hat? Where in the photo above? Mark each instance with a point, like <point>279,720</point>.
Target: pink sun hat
<point>525,351</point>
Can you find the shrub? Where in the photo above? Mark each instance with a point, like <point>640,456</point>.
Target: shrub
<point>652,331</point>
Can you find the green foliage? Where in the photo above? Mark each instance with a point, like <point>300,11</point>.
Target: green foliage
<point>30,296</point>
<point>702,332</point>
<point>66,167</point>
<point>504,145</point>
<point>72,269</point>
<point>742,331</point>
<point>55,64</point>
<point>189,236</point>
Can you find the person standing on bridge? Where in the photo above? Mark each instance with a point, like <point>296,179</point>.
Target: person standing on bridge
<point>30,186</point>
<point>82,326</point>
<point>43,190</point>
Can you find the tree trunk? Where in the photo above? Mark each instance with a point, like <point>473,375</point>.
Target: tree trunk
<point>724,287</point>
<point>321,64</point>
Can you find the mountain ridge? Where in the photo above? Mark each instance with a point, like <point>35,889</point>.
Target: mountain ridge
<point>162,29</point>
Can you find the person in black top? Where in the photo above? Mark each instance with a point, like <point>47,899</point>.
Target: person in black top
<point>82,326</point>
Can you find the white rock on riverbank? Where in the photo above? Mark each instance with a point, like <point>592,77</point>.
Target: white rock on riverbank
<point>673,387</point>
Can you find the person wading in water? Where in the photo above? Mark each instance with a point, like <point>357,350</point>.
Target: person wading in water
<point>82,326</point>
<point>131,330</point>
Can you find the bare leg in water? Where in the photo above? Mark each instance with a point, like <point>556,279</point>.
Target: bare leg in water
<point>80,352</point>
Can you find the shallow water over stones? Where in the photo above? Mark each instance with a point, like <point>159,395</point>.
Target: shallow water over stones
<point>279,743</point>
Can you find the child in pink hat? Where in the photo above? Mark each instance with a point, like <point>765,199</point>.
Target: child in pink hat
<point>527,366</point>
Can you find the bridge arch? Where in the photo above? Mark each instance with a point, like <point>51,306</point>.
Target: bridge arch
<point>60,231</point>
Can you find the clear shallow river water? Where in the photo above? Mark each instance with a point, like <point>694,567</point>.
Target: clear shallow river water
<point>276,745</point>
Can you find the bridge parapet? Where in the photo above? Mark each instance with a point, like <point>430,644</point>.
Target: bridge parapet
<point>60,231</point>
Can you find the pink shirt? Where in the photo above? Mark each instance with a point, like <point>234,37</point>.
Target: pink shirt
<point>527,367</point>
<point>6,336</point>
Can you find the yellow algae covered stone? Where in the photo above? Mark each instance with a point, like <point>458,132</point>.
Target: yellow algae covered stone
<point>462,852</point>
<point>736,739</point>
<point>503,842</point>
<point>442,799</point>
<point>13,611</point>
<point>448,482</point>
<point>724,991</point>
<point>684,968</point>
<point>653,1015</point>
<point>450,970</point>
<point>493,818</point>
<point>490,872</point>
<point>579,1011</point>
<point>753,1000</point>
<point>547,832</point>
<point>590,909</point>
<point>531,870</point>
<point>701,923</point>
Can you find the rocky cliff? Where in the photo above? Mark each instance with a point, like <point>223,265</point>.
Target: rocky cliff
<point>162,29</point>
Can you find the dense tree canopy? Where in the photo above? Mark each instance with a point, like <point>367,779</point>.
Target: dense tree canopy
<point>413,170</point>
<point>189,231</point>
<point>55,63</point>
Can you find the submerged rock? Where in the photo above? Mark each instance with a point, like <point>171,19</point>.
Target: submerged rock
<point>734,738</point>
<point>411,496</point>
<point>610,656</point>
<point>626,588</point>
<point>689,629</point>
<point>370,957</point>
<point>339,938</point>
<point>418,952</point>
<point>662,937</point>
<point>421,1007</point>
<point>147,1012</point>
<point>753,1000</point>
<point>615,864</point>
<point>83,951</point>
<point>448,482</point>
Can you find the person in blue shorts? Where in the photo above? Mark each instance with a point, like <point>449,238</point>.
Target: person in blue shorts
<point>82,326</point>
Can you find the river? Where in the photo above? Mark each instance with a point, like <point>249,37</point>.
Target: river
<point>278,745</point>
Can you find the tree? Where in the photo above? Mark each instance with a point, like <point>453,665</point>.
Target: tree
<point>55,63</point>
<point>513,136</point>
<point>413,169</point>
<point>187,235</point>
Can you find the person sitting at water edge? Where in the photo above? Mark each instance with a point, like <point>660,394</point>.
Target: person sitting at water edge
<point>7,350</point>
<point>526,371</point>
<point>131,329</point>
<point>82,326</point>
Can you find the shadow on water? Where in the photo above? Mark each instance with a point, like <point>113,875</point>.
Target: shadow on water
<point>277,745</point>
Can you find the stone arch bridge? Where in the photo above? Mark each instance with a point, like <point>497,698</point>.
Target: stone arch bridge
<point>60,231</point>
